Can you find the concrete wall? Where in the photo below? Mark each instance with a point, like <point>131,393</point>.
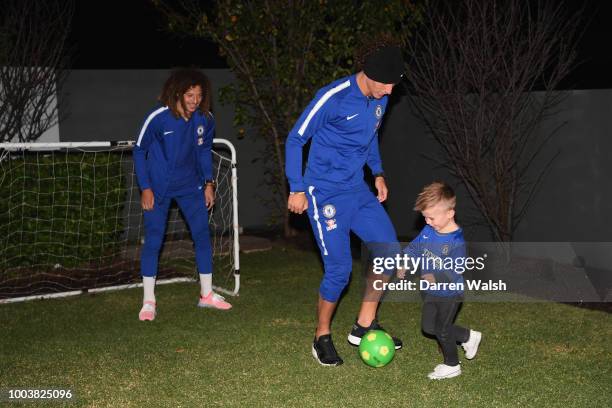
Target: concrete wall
<point>574,201</point>
<point>51,135</point>
<point>573,204</point>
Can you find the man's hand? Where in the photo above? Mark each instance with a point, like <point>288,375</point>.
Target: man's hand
<point>381,187</point>
<point>147,199</point>
<point>209,196</point>
<point>297,203</point>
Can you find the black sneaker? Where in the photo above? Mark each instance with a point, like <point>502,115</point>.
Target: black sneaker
<point>324,352</point>
<point>358,331</point>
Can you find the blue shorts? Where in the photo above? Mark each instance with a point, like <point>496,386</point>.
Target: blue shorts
<point>333,215</point>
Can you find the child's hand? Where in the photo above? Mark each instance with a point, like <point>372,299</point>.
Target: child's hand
<point>428,277</point>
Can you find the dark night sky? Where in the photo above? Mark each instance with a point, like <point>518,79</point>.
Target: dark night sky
<point>118,34</point>
<point>127,34</point>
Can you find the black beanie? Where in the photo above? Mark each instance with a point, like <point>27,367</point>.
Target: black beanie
<point>385,65</point>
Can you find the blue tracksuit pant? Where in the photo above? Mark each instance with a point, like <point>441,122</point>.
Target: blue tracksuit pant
<point>194,210</point>
<point>333,215</point>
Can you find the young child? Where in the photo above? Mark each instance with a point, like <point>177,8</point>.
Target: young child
<point>439,244</point>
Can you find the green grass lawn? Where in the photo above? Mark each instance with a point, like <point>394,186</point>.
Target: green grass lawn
<point>258,354</point>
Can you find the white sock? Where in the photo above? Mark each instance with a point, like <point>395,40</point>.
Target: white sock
<point>148,283</point>
<point>205,284</point>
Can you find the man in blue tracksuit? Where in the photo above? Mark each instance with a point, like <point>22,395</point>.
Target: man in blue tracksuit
<point>173,161</point>
<point>343,121</point>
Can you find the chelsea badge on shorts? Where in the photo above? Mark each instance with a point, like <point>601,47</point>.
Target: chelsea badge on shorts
<point>329,211</point>
<point>378,111</point>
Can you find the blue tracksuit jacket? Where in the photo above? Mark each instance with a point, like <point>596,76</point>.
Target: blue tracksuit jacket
<point>174,153</point>
<point>343,125</point>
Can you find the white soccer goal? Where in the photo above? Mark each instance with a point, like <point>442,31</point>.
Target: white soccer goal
<point>71,222</point>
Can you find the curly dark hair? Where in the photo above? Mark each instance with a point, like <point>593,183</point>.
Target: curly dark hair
<point>179,82</point>
<point>371,45</point>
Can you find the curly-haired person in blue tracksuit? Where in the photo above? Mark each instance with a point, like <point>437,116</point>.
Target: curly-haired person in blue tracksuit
<point>342,123</point>
<point>173,161</point>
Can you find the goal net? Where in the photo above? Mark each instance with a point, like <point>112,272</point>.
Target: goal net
<point>70,221</point>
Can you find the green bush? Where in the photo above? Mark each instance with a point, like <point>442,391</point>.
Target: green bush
<point>60,208</point>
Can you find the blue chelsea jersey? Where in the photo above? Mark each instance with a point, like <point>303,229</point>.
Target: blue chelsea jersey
<point>343,125</point>
<point>441,254</point>
<point>172,154</point>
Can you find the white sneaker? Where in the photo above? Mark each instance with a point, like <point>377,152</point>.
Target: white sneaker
<point>443,371</point>
<point>471,346</point>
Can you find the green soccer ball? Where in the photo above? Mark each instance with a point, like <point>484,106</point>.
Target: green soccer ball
<point>377,348</point>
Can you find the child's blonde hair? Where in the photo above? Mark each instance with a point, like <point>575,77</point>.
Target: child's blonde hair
<point>434,193</point>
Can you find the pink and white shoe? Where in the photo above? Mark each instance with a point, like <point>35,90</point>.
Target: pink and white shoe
<point>214,301</point>
<point>147,312</point>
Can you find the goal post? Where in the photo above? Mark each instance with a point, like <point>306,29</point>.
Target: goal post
<point>71,222</point>
<point>229,185</point>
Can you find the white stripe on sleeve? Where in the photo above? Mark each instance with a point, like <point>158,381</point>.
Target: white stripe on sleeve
<point>149,119</point>
<point>320,103</point>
